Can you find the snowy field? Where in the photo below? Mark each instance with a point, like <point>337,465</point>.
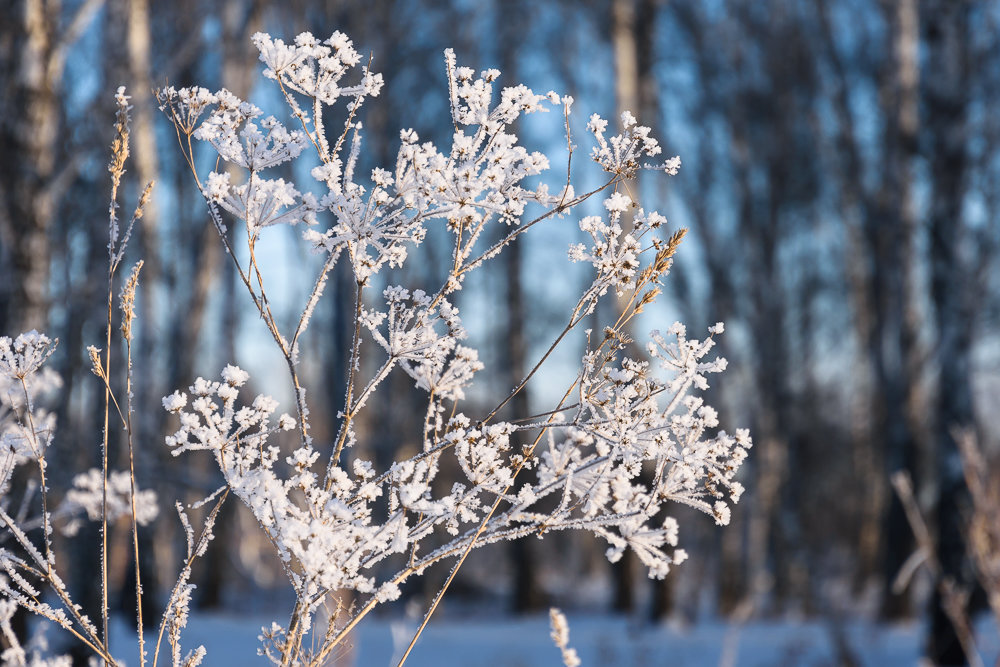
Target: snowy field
<point>525,642</point>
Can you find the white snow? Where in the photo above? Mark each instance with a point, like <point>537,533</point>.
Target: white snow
<point>486,641</point>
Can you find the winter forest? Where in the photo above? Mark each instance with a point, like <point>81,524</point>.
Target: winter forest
<point>497,332</point>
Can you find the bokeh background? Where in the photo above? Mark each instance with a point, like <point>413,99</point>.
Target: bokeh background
<point>841,184</point>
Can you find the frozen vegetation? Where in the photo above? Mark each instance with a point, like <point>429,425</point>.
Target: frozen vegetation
<point>630,439</point>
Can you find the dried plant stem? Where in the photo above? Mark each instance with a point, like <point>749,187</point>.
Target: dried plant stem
<point>953,599</point>
<point>569,158</point>
<point>120,152</point>
<point>293,640</point>
<point>261,303</point>
<point>106,370</point>
<point>499,504</point>
<point>349,407</point>
<point>131,475</point>
<point>259,300</point>
<point>579,312</point>
<point>317,291</point>
<point>39,453</point>
<point>287,350</point>
<point>455,548</point>
<point>982,532</point>
<point>203,539</point>
<point>521,229</point>
<point>90,640</point>
<point>321,144</point>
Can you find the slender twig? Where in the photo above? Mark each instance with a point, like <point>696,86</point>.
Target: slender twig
<point>46,573</point>
<point>106,370</point>
<point>39,454</point>
<point>203,539</point>
<point>952,598</point>
<point>114,401</point>
<point>577,316</point>
<point>317,292</point>
<point>127,317</point>
<point>569,158</point>
<point>353,362</point>
<point>499,245</point>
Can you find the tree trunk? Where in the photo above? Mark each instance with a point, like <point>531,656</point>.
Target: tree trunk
<point>29,129</point>
<point>946,31</point>
<point>894,252</point>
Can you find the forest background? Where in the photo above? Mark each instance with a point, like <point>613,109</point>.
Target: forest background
<point>841,183</point>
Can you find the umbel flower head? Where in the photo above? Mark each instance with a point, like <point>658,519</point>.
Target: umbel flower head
<point>25,354</point>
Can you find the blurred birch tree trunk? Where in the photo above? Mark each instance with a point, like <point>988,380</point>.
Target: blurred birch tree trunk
<point>893,254</point>
<point>34,172</point>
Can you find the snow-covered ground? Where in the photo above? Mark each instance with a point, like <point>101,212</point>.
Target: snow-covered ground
<point>600,640</point>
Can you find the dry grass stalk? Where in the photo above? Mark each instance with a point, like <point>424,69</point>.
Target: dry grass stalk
<point>954,597</point>
<point>117,244</point>
<point>127,305</point>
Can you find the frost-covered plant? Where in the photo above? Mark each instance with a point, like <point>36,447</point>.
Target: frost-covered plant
<point>344,526</point>
<point>560,637</point>
<point>627,439</point>
<point>31,580</point>
<point>27,557</point>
